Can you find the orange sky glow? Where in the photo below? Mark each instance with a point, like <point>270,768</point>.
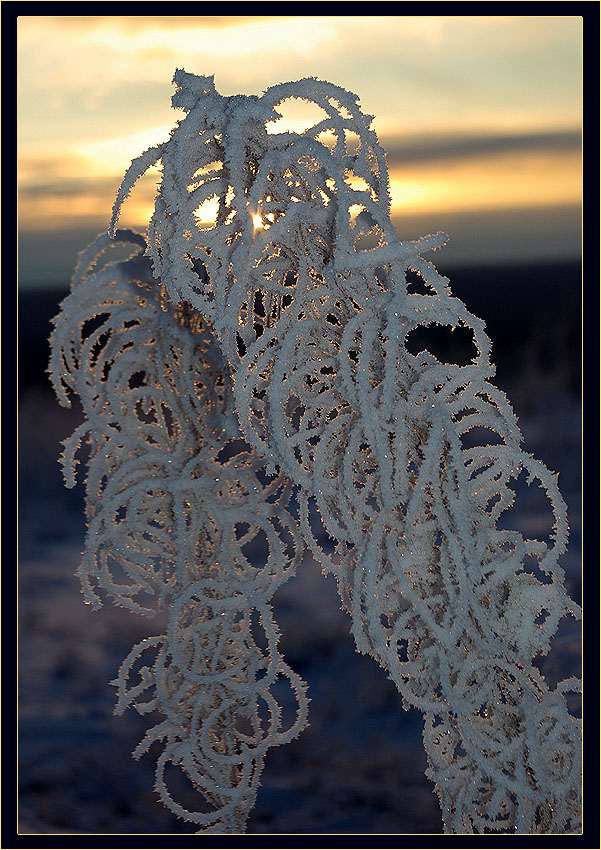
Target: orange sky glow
<point>477,113</point>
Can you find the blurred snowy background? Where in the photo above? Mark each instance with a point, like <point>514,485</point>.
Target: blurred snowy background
<point>359,767</point>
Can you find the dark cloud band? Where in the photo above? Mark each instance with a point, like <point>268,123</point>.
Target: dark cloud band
<point>401,151</point>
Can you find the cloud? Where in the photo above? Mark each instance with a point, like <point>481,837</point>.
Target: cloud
<point>81,77</point>
<point>53,200</point>
<point>97,55</point>
<point>139,23</point>
<point>404,150</point>
<point>112,154</point>
<point>67,188</point>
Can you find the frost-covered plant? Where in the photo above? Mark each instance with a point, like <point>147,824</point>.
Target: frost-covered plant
<point>248,388</point>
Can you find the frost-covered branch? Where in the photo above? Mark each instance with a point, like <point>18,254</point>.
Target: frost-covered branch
<point>267,350</point>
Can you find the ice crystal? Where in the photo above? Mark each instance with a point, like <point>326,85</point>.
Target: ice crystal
<point>256,345</point>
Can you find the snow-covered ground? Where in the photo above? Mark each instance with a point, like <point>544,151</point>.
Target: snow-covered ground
<point>358,768</point>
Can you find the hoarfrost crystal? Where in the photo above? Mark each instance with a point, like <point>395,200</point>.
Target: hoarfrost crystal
<point>231,363</point>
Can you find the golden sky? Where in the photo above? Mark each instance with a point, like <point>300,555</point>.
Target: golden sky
<point>478,114</point>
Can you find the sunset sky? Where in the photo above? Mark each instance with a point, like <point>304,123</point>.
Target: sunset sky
<point>480,117</point>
